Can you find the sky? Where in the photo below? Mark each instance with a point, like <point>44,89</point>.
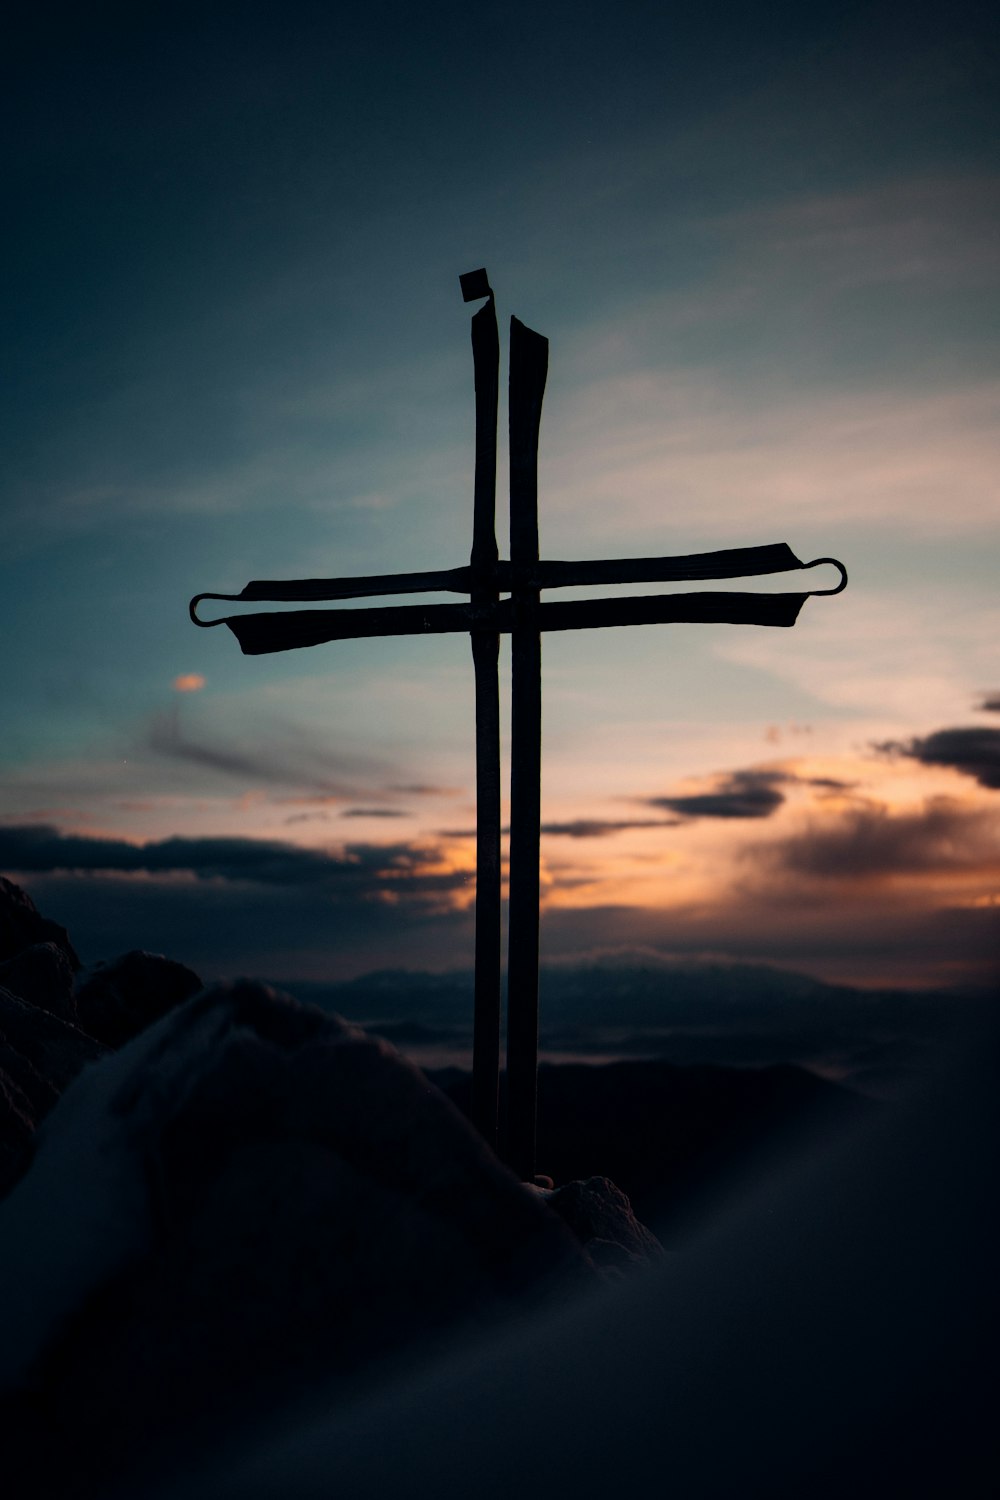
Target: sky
<point>763,244</point>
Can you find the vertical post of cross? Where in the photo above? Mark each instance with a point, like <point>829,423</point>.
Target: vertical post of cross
<point>529,357</point>
<point>485,654</point>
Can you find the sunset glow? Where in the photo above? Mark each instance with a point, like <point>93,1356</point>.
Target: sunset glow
<point>763,255</point>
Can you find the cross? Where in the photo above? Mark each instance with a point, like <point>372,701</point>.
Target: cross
<point>523,616</point>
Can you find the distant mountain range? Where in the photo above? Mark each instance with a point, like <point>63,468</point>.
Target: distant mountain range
<point>734,1015</point>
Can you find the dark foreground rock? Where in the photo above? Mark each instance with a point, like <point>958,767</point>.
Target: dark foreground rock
<point>678,1140</point>
<point>22,925</point>
<point>40,1050</point>
<point>42,974</point>
<point>40,1055</point>
<point>55,1048</point>
<point>248,1198</point>
<point>221,1201</point>
<point>54,1019</point>
<point>832,1334</point>
<point>601,1218</point>
<point>115,1001</point>
<point>25,1097</point>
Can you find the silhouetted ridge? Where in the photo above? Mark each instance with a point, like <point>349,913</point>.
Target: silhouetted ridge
<point>676,1139</point>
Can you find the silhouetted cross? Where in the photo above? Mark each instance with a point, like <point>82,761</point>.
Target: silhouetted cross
<point>523,616</point>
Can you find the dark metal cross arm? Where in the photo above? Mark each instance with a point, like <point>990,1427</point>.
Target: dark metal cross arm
<point>505,577</point>
<point>731,562</point>
<point>299,590</point>
<point>263,634</point>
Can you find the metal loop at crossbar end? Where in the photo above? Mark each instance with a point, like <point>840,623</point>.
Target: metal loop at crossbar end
<point>834,563</point>
<point>207,624</point>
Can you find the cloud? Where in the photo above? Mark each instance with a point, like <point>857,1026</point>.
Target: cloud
<point>189,682</point>
<point>775,733</point>
<point>990,703</point>
<point>915,231</point>
<point>166,738</point>
<point>974,751</point>
<point>289,757</point>
<point>373,812</point>
<point>941,838</point>
<point>234,905</point>
<point>883,649</point>
<point>871,456</point>
<point>577,828</point>
<point>321,799</point>
<point>365,871</point>
<point>739,794</point>
<point>227,927</point>
<point>424,789</point>
<point>598,828</point>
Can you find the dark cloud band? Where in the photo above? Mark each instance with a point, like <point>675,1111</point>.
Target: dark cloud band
<point>372,869</point>
<point>974,751</point>
<point>742,794</point>
<point>599,828</point>
<point>870,843</point>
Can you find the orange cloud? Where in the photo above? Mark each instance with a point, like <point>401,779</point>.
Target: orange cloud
<point>945,841</point>
<point>189,682</point>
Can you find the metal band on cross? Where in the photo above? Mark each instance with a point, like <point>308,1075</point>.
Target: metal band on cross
<point>523,616</point>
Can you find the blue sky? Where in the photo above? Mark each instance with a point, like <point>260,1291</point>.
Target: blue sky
<point>763,245</point>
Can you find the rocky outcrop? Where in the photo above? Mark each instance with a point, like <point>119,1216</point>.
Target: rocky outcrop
<point>53,1047</point>
<point>39,1056</point>
<point>22,925</point>
<point>43,975</point>
<point>600,1216</point>
<point>115,1001</point>
<point>25,1097</point>
<point>54,1020</point>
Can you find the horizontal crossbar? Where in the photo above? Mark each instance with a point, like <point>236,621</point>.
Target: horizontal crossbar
<point>730,562</point>
<point>261,634</point>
